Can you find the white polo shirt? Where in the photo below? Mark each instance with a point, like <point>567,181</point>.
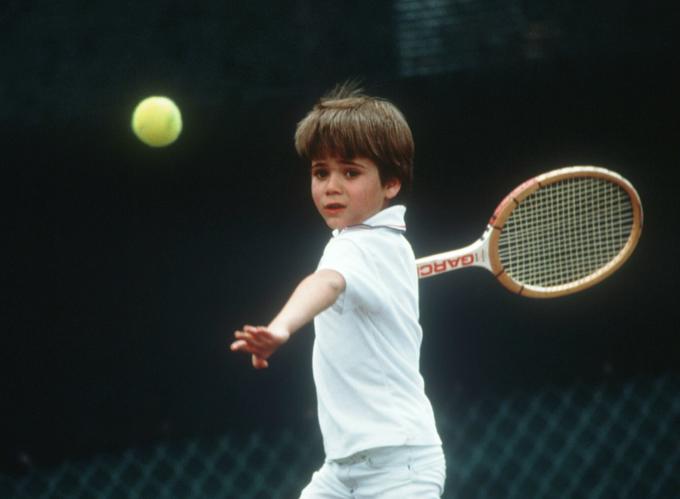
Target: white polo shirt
<point>370,392</point>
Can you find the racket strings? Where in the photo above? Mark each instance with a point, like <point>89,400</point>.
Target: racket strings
<point>566,231</point>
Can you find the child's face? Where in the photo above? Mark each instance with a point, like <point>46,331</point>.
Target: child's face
<point>348,191</point>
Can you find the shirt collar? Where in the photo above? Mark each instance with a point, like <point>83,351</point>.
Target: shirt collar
<point>391,218</point>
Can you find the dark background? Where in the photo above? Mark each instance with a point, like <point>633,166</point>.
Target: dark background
<point>127,267</point>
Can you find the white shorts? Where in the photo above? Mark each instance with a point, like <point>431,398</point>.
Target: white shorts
<point>406,472</point>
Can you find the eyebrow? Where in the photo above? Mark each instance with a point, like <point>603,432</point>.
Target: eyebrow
<point>346,162</point>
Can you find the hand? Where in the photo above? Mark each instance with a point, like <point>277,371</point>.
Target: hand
<point>260,341</point>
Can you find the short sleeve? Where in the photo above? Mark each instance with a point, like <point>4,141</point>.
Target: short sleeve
<point>346,257</point>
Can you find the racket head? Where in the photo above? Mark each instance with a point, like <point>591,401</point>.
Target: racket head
<point>564,231</point>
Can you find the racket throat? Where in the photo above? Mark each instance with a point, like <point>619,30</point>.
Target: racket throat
<point>473,255</point>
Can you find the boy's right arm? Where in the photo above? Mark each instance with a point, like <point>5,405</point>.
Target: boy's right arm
<point>312,296</point>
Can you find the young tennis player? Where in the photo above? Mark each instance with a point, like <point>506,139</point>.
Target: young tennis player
<point>377,424</point>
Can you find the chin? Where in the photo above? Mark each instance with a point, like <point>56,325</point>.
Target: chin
<point>335,224</point>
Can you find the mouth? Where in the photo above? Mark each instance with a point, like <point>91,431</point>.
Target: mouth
<point>334,207</point>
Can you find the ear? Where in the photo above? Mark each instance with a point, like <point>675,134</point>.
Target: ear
<point>392,188</point>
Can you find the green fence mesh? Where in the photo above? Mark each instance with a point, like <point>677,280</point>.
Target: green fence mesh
<point>611,440</point>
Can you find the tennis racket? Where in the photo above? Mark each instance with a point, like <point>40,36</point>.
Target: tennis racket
<point>553,235</point>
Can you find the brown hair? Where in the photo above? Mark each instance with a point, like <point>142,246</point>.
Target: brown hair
<point>347,123</point>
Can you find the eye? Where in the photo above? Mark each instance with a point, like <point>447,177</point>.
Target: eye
<point>319,173</point>
<point>351,173</point>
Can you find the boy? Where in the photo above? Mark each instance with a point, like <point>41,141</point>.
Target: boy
<point>377,424</point>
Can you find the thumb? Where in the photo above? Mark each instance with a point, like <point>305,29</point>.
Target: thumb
<point>259,362</point>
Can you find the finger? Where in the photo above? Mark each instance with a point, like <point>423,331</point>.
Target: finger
<point>259,362</point>
<point>241,335</point>
<point>257,330</point>
<point>237,345</point>
<point>252,339</point>
<point>245,346</point>
<point>246,329</point>
<point>252,329</point>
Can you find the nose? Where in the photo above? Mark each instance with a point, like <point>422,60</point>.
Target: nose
<point>334,184</point>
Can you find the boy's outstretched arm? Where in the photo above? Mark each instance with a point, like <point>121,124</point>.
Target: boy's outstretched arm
<point>312,296</point>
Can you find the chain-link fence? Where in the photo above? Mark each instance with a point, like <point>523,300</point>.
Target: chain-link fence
<point>611,440</point>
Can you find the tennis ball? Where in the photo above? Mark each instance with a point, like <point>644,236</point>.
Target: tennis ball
<point>157,121</point>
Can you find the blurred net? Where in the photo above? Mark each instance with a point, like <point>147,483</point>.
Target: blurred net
<point>594,441</point>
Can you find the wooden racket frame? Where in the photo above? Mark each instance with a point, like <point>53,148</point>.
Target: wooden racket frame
<point>484,252</point>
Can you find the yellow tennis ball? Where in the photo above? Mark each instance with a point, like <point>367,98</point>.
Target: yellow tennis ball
<point>157,121</point>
